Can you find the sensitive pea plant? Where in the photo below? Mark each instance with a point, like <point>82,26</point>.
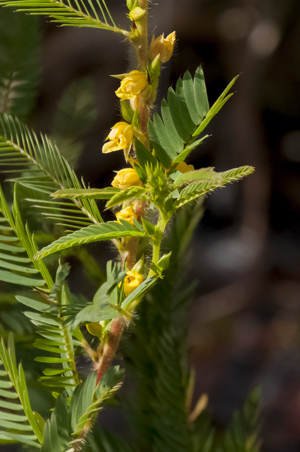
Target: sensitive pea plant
<point>155,199</point>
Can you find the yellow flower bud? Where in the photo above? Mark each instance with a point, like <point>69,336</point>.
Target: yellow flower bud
<point>136,13</point>
<point>94,328</point>
<point>132,281</point>
<point>127,214</point>
<point>184,168</point>
<point>120,136</point>
<point>126,178</point>
<point>162,46</point>
<point>132,85</point>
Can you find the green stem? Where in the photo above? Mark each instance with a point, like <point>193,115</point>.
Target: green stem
<point>141,42</point>
<point>156,251</point>
<point>155,256</point>
<point>156,243</point>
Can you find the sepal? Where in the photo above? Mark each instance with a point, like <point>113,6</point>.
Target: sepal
<point>127,111</point>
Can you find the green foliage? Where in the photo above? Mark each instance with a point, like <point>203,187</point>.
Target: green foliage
<point>183,117</point>
<point>64,429</point>
<point>48,170</point>
<point>106,303</point>
<point>56,336</point>
<point>109,442</point>
<point>203,174</point>
<point>204,434</point>
<point>196,189</point>
<point>155,352</point>
<point>156,358</point>
<point>144,156</point>
<point>19,68</point>
<point>130,193</point>
<point>242,435</point>
<point>127,111</point>
<point>220,102</point>
<point>82,14</point>
<point>18,422</point>
<point>56,339</point>
<point>61,275</point>
<point>97,233</point>
<point>14,243</point>
<point>188,149</point>
<point>92,193</point>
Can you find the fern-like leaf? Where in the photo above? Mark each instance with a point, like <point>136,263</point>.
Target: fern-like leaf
<point>196,189</point>
<point>17,420</point>
<point>96,233</point>
<point>243,433</point>
<point>80,13</point>
<point>68,426</point>
<point>184,116</point>
<point>55,339</point>
<point>15,266</point>
<point>56,335</point>
<point>90,193</point>
<point>47,171</point>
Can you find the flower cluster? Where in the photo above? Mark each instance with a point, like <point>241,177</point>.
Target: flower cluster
<point>134,84</point>
<point>137,88</point>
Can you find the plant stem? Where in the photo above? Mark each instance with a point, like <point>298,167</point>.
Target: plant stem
<point>132,252</point>
<point>156,250</point>
<point>141,42</point>
<point>118,325</point>
<point>156,243</point>
<point>110,347</point>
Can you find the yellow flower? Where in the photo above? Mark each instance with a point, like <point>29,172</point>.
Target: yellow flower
<point>94,328</point>
<point>120,136</point>
<point>136,13</point>
<point>132,281</point>
<point>184,168</point>
<point>127,214</point>
<point>132,85</point>
<point>126,178</point>
<point>162,46</point>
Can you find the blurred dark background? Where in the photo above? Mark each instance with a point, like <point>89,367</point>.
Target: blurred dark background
<point>244,321</point>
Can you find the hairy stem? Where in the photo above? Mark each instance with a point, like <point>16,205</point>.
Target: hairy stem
<point>141,42</point>
<point>132,251</point>
<point>110,347</point>
<point>141,47</point>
